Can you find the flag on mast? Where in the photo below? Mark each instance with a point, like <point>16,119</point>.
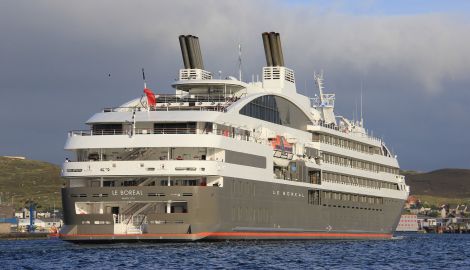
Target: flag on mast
<point>143,77</point>
<point>151,99</point>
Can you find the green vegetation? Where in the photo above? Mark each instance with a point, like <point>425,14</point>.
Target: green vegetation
<point>408,172</point>
<point>22,180</point>
<point>445,186</point>
<point>433,201</point>
<point>452,185</point>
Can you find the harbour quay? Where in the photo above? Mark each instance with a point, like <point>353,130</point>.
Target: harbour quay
<point>444,225</point>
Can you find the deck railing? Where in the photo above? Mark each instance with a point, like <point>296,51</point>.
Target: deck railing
<point>130,219</point>
<point>192,102</point>
<point>220,132</point>
<point>337,128</point>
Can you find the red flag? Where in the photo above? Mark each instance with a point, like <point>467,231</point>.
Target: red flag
<point>151,100</point>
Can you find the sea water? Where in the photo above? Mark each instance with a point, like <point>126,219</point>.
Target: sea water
<point>405,251</point>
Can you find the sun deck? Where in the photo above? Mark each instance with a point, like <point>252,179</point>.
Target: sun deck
<point>213,102</point>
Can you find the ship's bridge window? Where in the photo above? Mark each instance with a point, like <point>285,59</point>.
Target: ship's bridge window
<point>276,110</point>
<point>107,129</point>
<point>175,128</point>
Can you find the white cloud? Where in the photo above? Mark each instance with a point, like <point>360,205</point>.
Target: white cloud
<point>426,49</point>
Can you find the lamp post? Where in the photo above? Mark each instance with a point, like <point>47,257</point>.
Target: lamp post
<point>53,201</point>
<point>32,207</point>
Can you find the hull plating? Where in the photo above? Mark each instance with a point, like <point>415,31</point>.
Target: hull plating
<point>242,209</point>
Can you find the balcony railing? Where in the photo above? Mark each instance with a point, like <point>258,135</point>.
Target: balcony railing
<point>174,131</point>
<point>101,132</point>
<point>337,128</point>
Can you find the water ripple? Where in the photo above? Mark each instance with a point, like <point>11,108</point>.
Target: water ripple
<point>407,251</point>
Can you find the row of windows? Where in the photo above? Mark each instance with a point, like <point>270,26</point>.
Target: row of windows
<point>189,182</point>
<point>316,197</point>
<point>353,207</point>
<point>357,181</point>
<point>130,183</point>
<point>338,196</point>
<point>146,153</point>
<point>243,187</point>
<point>357,164</point>
<point>96,222</point>
<point>101,222</point>
<point>150,194</point>
<point>345,143</point>
<point>166,221</point>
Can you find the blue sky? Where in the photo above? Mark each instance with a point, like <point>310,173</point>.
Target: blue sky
<point>390,7</point>
<point>412,57</point>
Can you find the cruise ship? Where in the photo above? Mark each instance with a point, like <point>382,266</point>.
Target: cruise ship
<point>225,159</point>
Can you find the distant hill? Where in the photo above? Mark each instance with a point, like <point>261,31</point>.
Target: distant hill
<point>23,179</point>
<point>449,183</point>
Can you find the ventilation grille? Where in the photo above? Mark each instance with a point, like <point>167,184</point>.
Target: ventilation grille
<point>276,73</point>
<point>195,74</point>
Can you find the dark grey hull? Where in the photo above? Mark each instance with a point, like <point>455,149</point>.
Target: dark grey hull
<point>242,209</point>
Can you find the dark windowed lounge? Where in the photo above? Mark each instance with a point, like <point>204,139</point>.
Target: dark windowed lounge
<point>107,129</point>
<point>276,110</point>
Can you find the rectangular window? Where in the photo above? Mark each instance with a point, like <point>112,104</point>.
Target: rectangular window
<point>315,177</point>
<point>314,197</point>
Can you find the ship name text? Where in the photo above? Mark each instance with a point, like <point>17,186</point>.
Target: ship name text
<point>127,192</point>
<point>288,194</point>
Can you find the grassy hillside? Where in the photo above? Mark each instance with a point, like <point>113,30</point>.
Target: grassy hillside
<point>438,201</point>
<point>447,183</point>
<point>21,180</point>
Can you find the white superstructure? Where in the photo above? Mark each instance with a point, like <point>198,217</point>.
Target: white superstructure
<point>342,148</point>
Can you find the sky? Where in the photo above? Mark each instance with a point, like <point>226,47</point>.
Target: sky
<point>63,61</point>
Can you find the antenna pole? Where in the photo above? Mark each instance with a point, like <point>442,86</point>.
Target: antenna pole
<point>355,101</point>
<point>133,122</point>
<point>239,62</point>
<point>143,77</point>
<point>362,119</point>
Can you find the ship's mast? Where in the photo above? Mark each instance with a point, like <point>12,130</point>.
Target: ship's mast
<point>318,77</point>
<point>143,77</point>
<point>239,62</point>
<point>362,119</point>
<point>326,102</point>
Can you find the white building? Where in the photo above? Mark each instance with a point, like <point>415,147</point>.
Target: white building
<point>408,223</point>
<point>44,225</point>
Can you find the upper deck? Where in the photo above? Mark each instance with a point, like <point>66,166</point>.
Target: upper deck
<point>201,81</point>
<point>178,102</point>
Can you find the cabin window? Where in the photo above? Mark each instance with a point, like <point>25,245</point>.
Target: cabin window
<point>315,177</point>
<point>314,197</point>
<point>108,183</point>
